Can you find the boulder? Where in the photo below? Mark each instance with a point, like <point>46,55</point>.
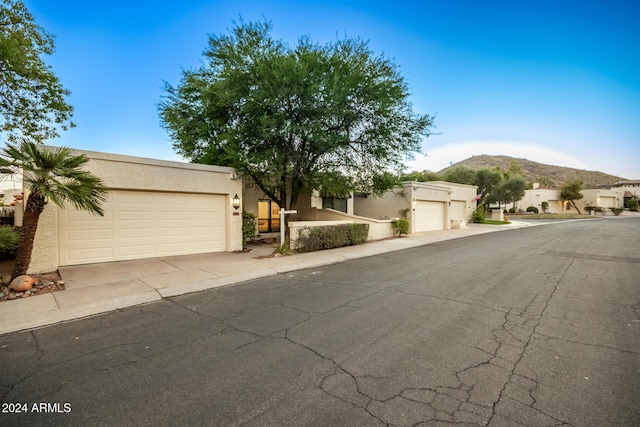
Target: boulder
<point>23,283</point>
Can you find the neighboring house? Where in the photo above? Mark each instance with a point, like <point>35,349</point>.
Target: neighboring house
<point>630,189</point>
<point>601,198</point>
<point>430,205</point>
<point>537,196</point>
<point>154,208</point>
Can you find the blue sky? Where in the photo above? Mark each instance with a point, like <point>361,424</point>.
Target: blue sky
<point>556,82</point>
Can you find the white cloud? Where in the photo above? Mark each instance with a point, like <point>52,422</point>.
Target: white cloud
<point>443,156</point>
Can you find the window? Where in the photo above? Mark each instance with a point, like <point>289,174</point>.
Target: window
<point>268,216</point>
<point>335,204</point>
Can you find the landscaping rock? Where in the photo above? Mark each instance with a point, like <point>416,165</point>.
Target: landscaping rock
<point>23,283</point>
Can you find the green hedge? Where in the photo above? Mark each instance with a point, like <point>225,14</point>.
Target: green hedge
<point>331,236</point>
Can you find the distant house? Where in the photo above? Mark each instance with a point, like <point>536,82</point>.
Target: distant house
<point>630,188</point>
<point>612,198</point>
<point>430,205</point>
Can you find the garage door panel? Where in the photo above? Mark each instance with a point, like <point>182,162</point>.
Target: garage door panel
<point>79,255</point>
<point>143,225</point>
<point>90,235</point>
<point>429,216</point>
<point>137,251</point>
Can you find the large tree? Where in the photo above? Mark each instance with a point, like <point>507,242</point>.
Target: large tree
<point>508,191</point>
<point>487,180</point>
<point>295,119</point>
<point>460,175</point>
<point>50,175</point>
<point>571,191</point>
<point>32,99</point>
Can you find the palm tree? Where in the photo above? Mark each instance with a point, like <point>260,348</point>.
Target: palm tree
<point>52,174</point>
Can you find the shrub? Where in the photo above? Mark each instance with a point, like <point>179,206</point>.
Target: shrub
<point>593,208</point>
<point>512,210</point>
<point>404,213</point>
<point>331,236</point>
<point>248,226</point>
<point>532,209</point>
<point>545,206</point>
<point>9,240</point>
<point>401,226</point>
<point>358,233</point>
<point>478,215</point>
<point>617,211</point>
<point>633,204</point>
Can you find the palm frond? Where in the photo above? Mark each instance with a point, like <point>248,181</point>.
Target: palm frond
<point>56,173</point>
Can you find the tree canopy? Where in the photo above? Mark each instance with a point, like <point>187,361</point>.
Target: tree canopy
<point>295,119</point>
<point>508,191</point>
<point>32,99</point>
<point>423,176</point>
<point>461,175</point>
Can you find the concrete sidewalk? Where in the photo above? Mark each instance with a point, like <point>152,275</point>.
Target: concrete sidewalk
<point>100,288</point>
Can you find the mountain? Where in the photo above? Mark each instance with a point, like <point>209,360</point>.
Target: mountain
<point>533,170</point>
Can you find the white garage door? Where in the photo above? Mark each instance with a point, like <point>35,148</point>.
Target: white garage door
<point>139,224</point>
<point>429,215</point>
<point>458,210</point>
<point>607,202</point>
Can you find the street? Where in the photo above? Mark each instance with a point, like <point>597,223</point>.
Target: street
<point>538,326</point>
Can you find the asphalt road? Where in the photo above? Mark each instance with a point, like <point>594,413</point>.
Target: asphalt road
<point>537,326</point>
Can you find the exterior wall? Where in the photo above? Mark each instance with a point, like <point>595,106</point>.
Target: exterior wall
<point>384,207</point>
<point>378,229</point>
<point>136,173</point>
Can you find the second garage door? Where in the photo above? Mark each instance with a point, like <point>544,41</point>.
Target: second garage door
<point>429,216</point>
<point>141,224</point>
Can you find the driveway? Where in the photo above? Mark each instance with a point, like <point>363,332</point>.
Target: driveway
<point>537,326</point>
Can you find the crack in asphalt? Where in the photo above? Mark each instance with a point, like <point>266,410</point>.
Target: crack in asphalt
<point>465,404</point>
<point>532,311</point>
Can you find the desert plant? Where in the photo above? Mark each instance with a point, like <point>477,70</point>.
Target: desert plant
<point>51,175</point>
<point>478,215</point>
<point>9,239</point>
<point>400,226</point>
<point>532,209</point>
<point>404,213</point>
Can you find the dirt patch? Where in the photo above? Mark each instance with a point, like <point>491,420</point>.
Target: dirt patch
<point>47,283</point>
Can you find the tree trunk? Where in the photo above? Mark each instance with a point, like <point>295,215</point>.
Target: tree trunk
<point>32,211</point>
<point>574,205</point>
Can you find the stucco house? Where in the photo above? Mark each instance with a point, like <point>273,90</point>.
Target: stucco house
<point>430,206</point>
<point>154,208</point>
<point>630,189</point>
<point>434,205</point>
<point>537,196</point>
<point>603,198</point>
